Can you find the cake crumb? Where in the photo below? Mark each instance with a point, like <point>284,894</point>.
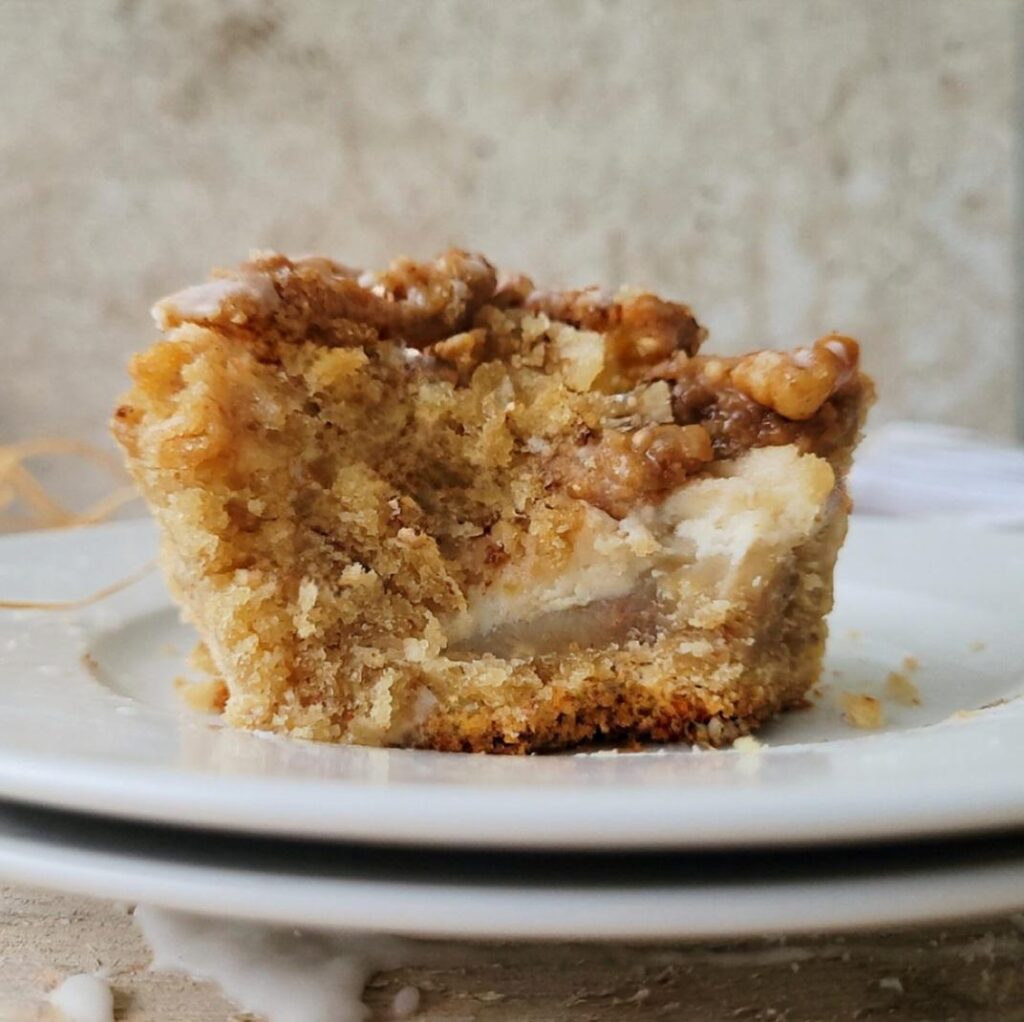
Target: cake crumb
<point>911,663</point>
<point>862,711</point>
<point>207,696</point>
<point>747,745</point>
<point>977,645</point>
<point>900,689</point>
<point>963,714</point>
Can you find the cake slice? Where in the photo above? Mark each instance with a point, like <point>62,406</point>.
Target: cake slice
<point>428,508</point>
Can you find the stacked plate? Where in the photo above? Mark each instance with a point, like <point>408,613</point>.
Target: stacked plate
<point>113,788</point>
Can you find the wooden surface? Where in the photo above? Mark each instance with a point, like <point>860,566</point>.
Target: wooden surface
<point>962,974</point>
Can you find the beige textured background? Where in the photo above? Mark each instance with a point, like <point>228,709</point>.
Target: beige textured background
<point>788,166</point>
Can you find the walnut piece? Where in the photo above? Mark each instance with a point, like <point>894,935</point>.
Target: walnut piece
<point>707,391</point>
<point>621,470</point>
<point>796,384</point>
<point>463,351</point>
<point>641,330</point>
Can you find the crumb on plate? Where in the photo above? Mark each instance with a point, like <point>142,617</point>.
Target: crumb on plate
<point>747,745</point>
<point>862,711</point>
<point>208,695</point>
<point>900,689</point>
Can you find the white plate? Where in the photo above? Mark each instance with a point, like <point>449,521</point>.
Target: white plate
<point>498,895</point>
<point>88,721</point>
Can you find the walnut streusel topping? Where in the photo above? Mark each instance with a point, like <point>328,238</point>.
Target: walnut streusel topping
<point>631,357</point>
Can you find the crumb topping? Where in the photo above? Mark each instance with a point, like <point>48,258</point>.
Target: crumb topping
<point>643,410</point>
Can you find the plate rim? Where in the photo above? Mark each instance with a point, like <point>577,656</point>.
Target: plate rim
<point>969,886</point>
<point>435,815</point>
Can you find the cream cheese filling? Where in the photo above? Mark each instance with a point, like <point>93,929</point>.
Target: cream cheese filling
<point>711,539</point>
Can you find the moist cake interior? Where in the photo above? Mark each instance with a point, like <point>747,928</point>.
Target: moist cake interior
<point>427,507</point>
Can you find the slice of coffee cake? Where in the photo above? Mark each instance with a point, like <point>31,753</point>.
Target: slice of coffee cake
<point>426,507</point>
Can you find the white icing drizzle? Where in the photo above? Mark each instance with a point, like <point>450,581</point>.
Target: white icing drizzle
<point>204,301</point>
<point>406,1002</point>
<point>84,998</point>
<point>284,975</point>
